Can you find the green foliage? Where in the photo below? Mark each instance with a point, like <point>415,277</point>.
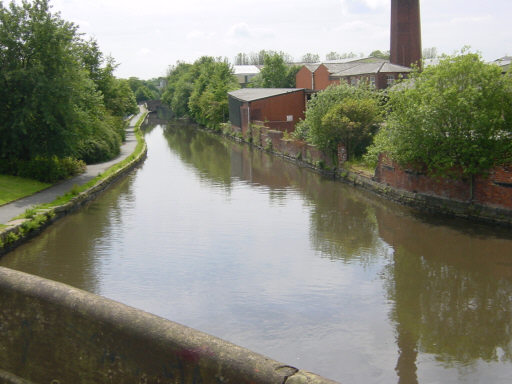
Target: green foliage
<point>353,122</point>
<point>451,118</point>
<point>200,90</point>
<point>379,54</point>
<point>57,91</point>
<point>258,58</point>
<point>310,58</point>
<point>47,169</point>
<point>30,213</point>
<point>180,83</point>
<point>13,188</point>
<point>144,90</point>
<point>275,73</point>
<point>340,112</point>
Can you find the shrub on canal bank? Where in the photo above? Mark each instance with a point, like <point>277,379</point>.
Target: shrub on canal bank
<point>454,119</point>
<point>45,169</point>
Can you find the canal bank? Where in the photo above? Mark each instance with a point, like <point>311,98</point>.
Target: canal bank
<point>25,218</point>
<point>436,197</point>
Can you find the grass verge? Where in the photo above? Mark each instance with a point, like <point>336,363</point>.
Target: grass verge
<point>359,167</point>
<point>14,188</point>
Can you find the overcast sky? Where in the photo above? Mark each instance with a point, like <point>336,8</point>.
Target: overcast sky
<point>147,36</point>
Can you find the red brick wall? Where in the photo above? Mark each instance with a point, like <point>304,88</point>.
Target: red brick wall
<point>494,190</point>
<point>322,80</point>
<point>293,148</point>
<point>391,173</point>
<point>303,78</point>
<point>276,109</point>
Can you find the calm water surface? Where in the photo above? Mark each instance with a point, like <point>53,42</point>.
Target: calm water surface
<point>275,258</point>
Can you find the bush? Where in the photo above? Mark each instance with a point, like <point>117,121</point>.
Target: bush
<point>47,169</point>
<point>341,113</point>
<point>453,119</point>
<point>104,145</point>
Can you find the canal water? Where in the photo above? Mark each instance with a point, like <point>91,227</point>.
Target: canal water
<point>278,259</point>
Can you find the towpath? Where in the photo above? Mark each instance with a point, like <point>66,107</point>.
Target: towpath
<point>16,208</point>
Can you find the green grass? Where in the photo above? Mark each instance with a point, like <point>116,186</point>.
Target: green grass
<point>360,167</point>
<point>13,188</point>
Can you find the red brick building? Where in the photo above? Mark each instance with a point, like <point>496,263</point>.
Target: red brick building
<point>378,75</point>
<point>277,108</point>
<point>377,72</point>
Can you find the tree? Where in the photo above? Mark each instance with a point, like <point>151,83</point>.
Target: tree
<point>56,98</point>
<point>180,82</point>
<point>275,73</point>
<point>353,122</point>
<point>241,59</point>
<point>338,113</point>
<point>331,56</point>
<point>380,55</point>
<point>429,53</point>
<point>452,119</point>
<point>310,58</point>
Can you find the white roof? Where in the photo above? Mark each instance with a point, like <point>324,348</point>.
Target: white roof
<point>245,69</point>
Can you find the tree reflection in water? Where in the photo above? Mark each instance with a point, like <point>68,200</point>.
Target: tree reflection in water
<point>451,289</point>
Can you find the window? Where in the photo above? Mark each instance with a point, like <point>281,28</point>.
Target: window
<point>372,81</point>
<point>391,79</point>
<point>353,81</point>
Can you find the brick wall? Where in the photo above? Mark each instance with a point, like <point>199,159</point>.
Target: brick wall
<point>493,191</point>
<point>322,79</point>
<point>496,189</point>
<point>304,78</point>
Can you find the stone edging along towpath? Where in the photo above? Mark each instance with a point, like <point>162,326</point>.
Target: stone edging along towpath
<point>19,231</point>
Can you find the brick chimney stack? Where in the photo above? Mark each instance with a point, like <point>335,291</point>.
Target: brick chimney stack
<point>405,32</point>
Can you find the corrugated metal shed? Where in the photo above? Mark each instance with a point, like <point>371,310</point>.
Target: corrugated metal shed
<point>251,94</point>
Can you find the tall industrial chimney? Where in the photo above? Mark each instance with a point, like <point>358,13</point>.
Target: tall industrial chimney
<point>405,32</point>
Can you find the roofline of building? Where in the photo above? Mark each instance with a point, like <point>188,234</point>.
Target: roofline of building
<point>292,90</point>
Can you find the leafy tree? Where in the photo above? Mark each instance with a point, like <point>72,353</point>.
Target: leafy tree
<point>144,89</point>
<point>180,83</point>
<point>117,95</point>
<point>143,94</point>
<point>353,122</point>
<point>332,56</point>
<point>213,101</point>
<point>429,53</point>
<point>242,59</point>
<point>310,58</point>
<point>340,112</point>
<point>56,97</point>
<point>200,90</point>
<point>452,118</point>
<point>380,55</point>
<point>275,73</point>
<point>258,58</point>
